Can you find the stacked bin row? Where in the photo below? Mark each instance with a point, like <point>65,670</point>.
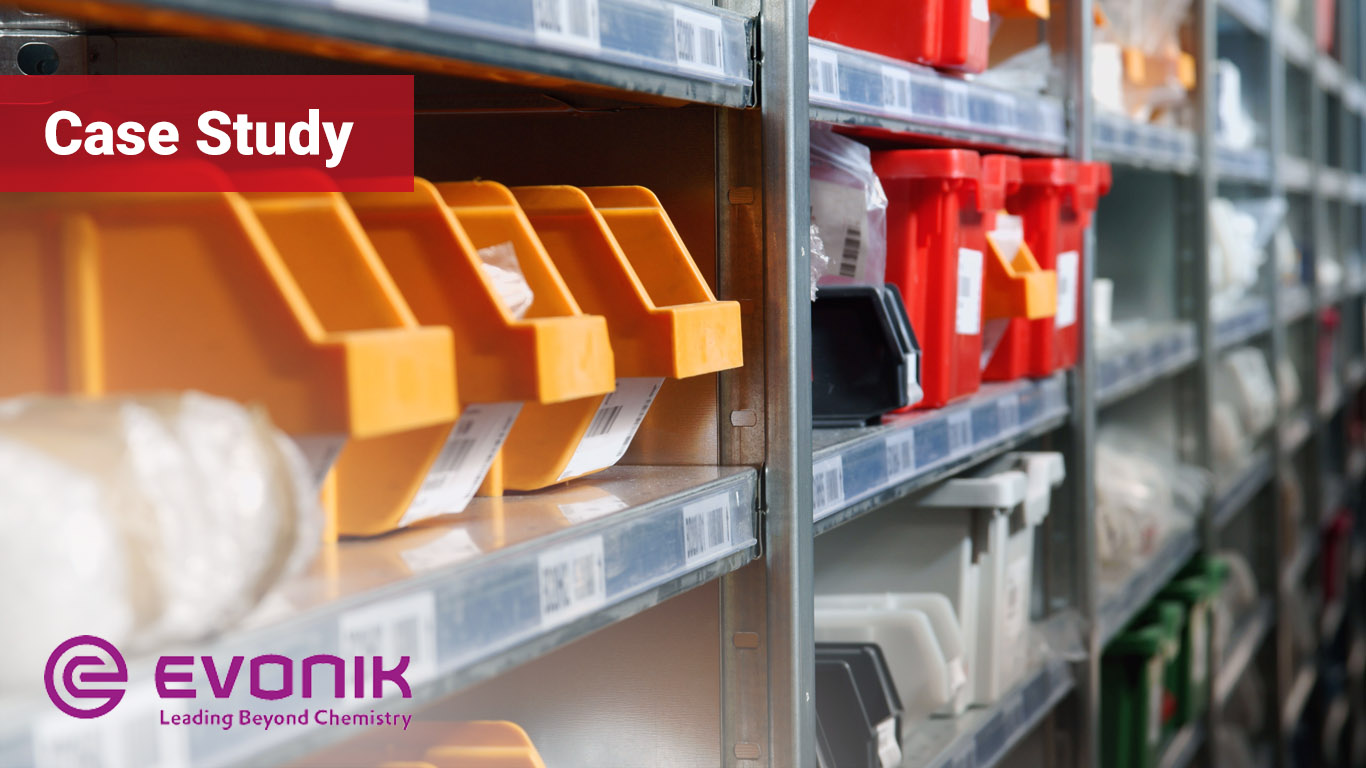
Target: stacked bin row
<point>369,327</point>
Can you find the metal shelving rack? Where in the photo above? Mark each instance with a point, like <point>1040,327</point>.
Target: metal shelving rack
<point>740,688</point>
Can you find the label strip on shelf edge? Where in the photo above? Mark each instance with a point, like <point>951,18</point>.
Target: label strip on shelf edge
<point>914,445</point>
<point>446,623</point>
<point>1128,142</point>
<point>1128,369</point>
<point>1252,165</point>
<point>866,83</point>
<point>1241,324</point>
<point>1254,14</point>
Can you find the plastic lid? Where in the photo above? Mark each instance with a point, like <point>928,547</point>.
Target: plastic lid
<point>928,164</point>
<point>1000,176</point>
<point>1048,172</point>
<point>1093,180</point>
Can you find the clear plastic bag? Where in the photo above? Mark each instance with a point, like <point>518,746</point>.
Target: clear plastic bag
<point>143,520</point>
<point>501,267</point>
<point>1240,232</point>
<point>848,209</point>
<point>1142,493</point>
<point>1249,384</point>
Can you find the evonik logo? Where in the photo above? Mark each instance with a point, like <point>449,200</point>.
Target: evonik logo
<point>271,676</point>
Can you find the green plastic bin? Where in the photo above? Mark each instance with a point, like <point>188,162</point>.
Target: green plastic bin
<point>1134,679</point>
<point>1195,590</point>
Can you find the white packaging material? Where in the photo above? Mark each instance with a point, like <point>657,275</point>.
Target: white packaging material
<point>1252,390</point>
<point>1142,493</point>
<point>501,268</point>
<point>818,261</point>
<point>1239,233</point>
<point>919,636</point>
<point>849,209</point>
<point>1227,438</point>
<point>1107,77</point>
<point>142,520</point>
<point>1289,379</point>
<point>1236,128</point>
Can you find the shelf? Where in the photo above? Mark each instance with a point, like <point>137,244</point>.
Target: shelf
<point>1253,14</point>
<point>1331,622</point>
<point>1183,747</point>
<point>1239,492</point>
<point>1250,318</point>
<point>1305,553</point>
<point>1144,357</point>
<point>980,738</point>
<point>1356,188</point>
<point>1353,95</point>
<point>1298,696</point>
<point>1297,174</point>
<point>473,595</point>
<point>1125,142</point>
<point>1122,599</point>
<point>1296,46</point>
<point>1331,76</point>
<point>632,47</point>
<point>1245,165</point>
<point>850,87</point>
<point>859,469</point>
<point>1297,301</point>
<point>1332,183</point>
<point>1298,428</point>
<point>1243,647</point>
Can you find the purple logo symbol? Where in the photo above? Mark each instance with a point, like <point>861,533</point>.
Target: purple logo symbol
<point>72,687</point>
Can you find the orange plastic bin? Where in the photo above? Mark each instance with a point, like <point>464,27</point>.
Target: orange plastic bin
<point>949,34</point>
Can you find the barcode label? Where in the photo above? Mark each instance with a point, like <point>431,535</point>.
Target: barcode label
<point>460,467</point>
<point>451,547</point>
<point>960,432</point>
<point>697,41</point>
<point>392,629</point>
<point>591,509</point>
<point>1008,413</point>
<point>320,453</point>
<point>956,103</point>
<point>900,449</point>
<point>853,242</point>
<point>615,423</point>
<point>407,10</point>
<point>573,580</point>
<point>1069,263</point>
<point>571,23</point>
<point>968,313</point>
<point>827,485</point>
<point>706,528</point>
<point>896,90</point>
<point>824,73</point>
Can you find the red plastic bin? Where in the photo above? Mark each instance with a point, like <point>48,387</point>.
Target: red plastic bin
<point>950,34</point>
<point>1056,198</point>
<point>936,242</point>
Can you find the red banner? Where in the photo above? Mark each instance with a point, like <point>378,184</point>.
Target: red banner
<point>182,133</point>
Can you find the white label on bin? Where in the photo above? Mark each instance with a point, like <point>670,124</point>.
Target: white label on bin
<point>697,41</point>
<point>573,580</point>
<point>960,432</point>
<point>613,426</point>
<point>706,528</point>
<point>451,547</point>
<point>1008,413</point>
<point>567,23</point>
<point>827,485</point>
<point>1155,692</point>
<point>1199,643</point>
<point>392,629</point>
<point>591,509</point>
<point>407,10</point>
<point>320,453</point>
<point>888,750</point>
<point>840,212</point>
<point>896,90</point>
<point>980,11</point>
<point>824,73</point>
<point>1069,263</point>
<point>900,449</point>
<point>469,451</point>
<point>968,313</point>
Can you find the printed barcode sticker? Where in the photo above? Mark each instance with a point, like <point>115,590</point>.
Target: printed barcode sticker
<point>571,23</point>
<point>573,580</point>
<point>1008,413</point>
<point>706,528</point>
<point>615,423</point>
<point>960,432</point>
<point>451,547</point>
<point>460,467</point>
<point>1069,263</point>
<point>591,509</point>
<point>824,73</point>
<point>900,450</point>
<point>956,103</point>
<point>840,213</point>
<point>405,626</point>
<point>896,90</point>
<point>827,485</point>
<point>849,251</point>
<point>968,312</point>
<point>320,453</point>
<point>407,10</point>
<point>698,41</point>
<point>888,749</point>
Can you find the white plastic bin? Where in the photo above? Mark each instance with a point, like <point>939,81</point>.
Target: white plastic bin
<point>920,637</point>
